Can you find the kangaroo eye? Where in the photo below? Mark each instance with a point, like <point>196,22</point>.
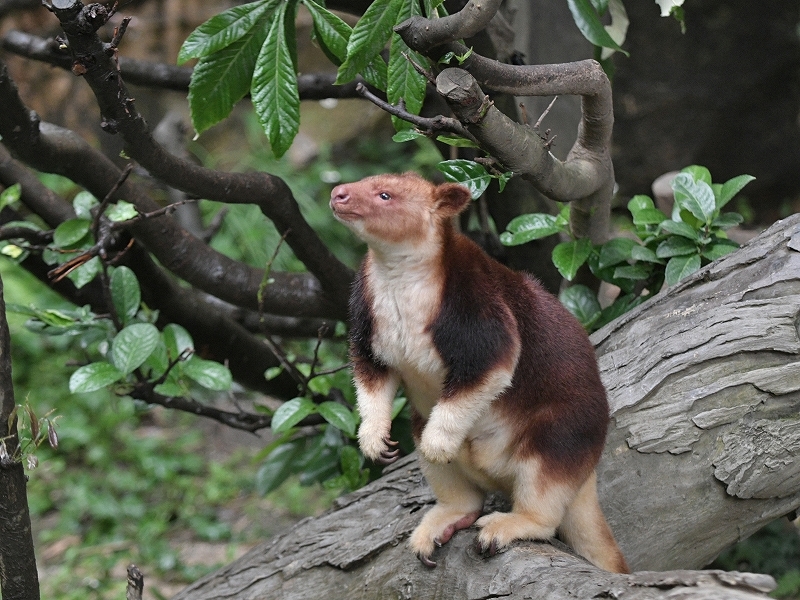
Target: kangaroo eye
<point>384,196</point>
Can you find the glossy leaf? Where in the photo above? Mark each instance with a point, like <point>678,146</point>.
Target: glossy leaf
<point>634,272</point>
<point>675,246</point>
<point>85,273</point>
<point>222,30</point>
<point>403,80</point>
<point>278,466</point>
<point>615,251</point>
<point>291,413</point>
<point>339,416</point>
<point>331,31</point>
<point>131,346</point>
<point>727,220</point>
<point>581,302</point>
<point>589,24</point>
<point>468,173</point>
<point>569,256</point>
<point>70,232</point>
<point>177,339</point>
<point>208,373</point>
<point>94,376</point>
<point>697,197</point>
<point>679,267</point>
<point>719,249</point>
<point>274,92</point>
<point>640,202</point>
<point>680,228</point>
<point>83,203</point>
<point>10,195</point>
<point>221,79</point>
<point>644,254</point>
<point>369,36</point>
<point>698,173</point>
<point>526,228</point>
<point>125,293</point>
<point>730,188</point>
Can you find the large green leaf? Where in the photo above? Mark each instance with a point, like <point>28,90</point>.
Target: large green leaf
<point>131,346</point>
<point>177,339</point>
<point>125,293</point>
<point>526,228</point>
<point>274,88</point>
<point>331,31</point>
<point>339,416</point>
<point>676,246</point>
<point>695,196</point>
<point>468,173</point>
<point>278,466</point>
<point>569,256</point>
<point>581,302</point>
<point>404,82</point>
<point>211,375</point>
<point>730,188</point>
<point>221,79</point>
<point>94,376</point>
<point>291,413</point>
<point>679,267</point>
<point>223,29</point>
<point>615,251</point>
<point>70,232</point>
<point>369,37</point>
<point>589,24</point>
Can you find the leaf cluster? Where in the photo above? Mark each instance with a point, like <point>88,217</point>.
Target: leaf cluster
<point>661,251</point>
<point>252,49</point>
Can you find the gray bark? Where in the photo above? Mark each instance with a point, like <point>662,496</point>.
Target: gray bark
<point>704,385</point>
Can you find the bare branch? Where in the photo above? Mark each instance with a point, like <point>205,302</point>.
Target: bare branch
<point>425,34</point>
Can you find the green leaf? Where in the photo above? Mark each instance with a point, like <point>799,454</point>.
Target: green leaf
<point>221,79</point>
<point>272,373</point>
<point>695,196</point>
<point>131,346</point>
<point>275,94</point>
<point>291,413</point>
<point>681,229</point>
<point>676,246</point>
<point>339,416</point>
<point>634,272</point>
<point>679,267</point>
<point>122,211</point>
<point>569,256</point>
<point>533,226</point>
<point>177,340</point>
<point>369,37</point>
<point>222,30</point>
<point>645,254</point>
<point>651,216</point>
<point>618,308</point>
<point>85,273</point>
<point>94,376</point>
<point>589,24</point>
<point>639,203</point>
<point>730,188</point>
<point>727,220</point>
<point>581,302</point>
<point>403,80</point>
<point>719,249</point>
<point>10,195</point>
<point>615,251</point>
<point>208,373</point>
<point>468,173</point>
<point>278,465</point>
<point>698,173</point>
<point>397,405</point>
<point>70,232</point>
<point>125,293</point>
<point>83,203</point>
<point>331,31</point>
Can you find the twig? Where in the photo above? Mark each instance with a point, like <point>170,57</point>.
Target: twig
<point>545,113</point>
<point>420,69</point>
<point>107,199</point>
<point>428,126</point>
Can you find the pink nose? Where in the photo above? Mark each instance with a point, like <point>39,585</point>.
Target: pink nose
<point>339,195</point>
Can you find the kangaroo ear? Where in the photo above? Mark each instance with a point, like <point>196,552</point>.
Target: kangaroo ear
<point>451,199</point>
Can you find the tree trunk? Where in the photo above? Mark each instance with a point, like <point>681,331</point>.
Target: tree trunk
<point>704,385</point>
<point>18,575</point>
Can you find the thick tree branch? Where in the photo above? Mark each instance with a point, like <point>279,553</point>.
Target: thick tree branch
<point>53,149</point>
<point>587,177</point>
<point>311,86</point>
<point>94,60</point>
<point>425,34</point>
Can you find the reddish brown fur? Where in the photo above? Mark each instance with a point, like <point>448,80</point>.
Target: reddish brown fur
<point>503,381</point>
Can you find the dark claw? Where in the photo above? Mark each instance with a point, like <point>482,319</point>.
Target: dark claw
<point>387,457</point>
<point>493,548</point>
<point>426,561</point>
<point>390,442</point>
<point>489,550</point>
